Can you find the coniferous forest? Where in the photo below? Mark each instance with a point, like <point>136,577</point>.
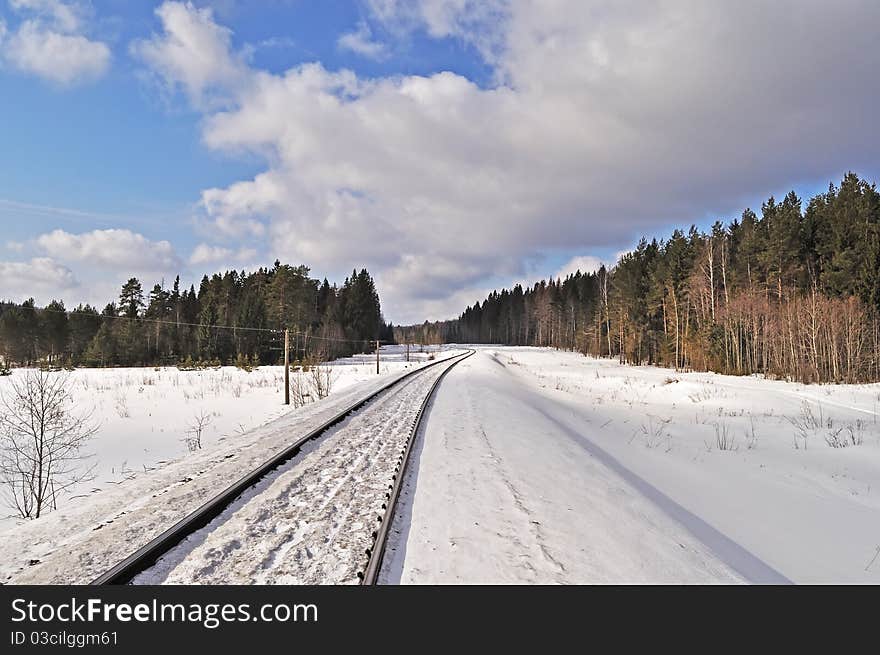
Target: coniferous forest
<point>234,317</point>
<point>792,293</point>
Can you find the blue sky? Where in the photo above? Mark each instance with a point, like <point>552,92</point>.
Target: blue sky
<point>450,146</point>
<point>118,149</point>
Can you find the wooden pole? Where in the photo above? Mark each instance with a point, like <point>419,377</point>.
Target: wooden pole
<point>286,367</point>
<point>407,351</point>
<point>377,357</point>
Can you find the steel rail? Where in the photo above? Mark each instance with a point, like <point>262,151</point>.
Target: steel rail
<point>376,554</point>
<point>147,555</point>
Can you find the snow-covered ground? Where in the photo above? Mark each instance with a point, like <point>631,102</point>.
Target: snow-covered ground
<point>544,466</point>
<point>144,414</point>
<point>535,466</point>
<point>91,532</point>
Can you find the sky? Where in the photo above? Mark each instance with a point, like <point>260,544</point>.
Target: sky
<point>449,146</point>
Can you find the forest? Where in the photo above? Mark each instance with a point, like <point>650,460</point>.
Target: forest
<point>793,293</point>
<point>234,317</point>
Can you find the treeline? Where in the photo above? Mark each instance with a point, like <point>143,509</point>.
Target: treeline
<point>232,317</point>
<point>794,293</point>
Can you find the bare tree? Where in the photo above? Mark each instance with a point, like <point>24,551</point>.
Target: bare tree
<point>193,438</point>
<point>40,441</point>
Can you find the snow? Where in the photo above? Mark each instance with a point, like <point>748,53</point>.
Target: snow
<point>545,466</point>
<point>535,466</point>
<point>90,533</point>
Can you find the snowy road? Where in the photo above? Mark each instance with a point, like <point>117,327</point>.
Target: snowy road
<point>505,493</point>
<point>312,522</point>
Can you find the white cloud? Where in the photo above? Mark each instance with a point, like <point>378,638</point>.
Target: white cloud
<point>41,278</point>
<point>52,45</point>
<point>361,43</point>
<point>60,58</point>
<point>610,119</point>
<point>477,22</point>
<point>121,250</point>
<point>63,16</point>
<point>204,254</point>
<point>193,52</point>
<point>207,254</point>
<point>584,264</point>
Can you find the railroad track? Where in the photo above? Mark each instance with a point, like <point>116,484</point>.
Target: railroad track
<point>146,557</point>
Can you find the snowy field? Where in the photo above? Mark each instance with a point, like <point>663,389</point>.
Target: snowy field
<point>535,466</point>
<point>145,415</point>
<point>543,461</point>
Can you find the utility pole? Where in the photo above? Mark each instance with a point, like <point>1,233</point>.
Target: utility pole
<point>286,366</point>
<point>407,351</point>
<point>377,357</point>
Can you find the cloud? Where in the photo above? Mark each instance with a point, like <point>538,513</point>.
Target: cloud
<point>60,58</point>
<point>479,23</point>
<point>361,43</point>
<point>51,44</point>
<point>193,53</point>
<point>608,119</point>
<point>584,264</point>
<point>207,254</point>
<point>40,278</point>
<point>64,17</point>
<point>120,250</point>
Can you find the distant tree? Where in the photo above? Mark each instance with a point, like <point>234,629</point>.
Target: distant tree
<point>84,325</point>
<point>793,293</point>
<point>56,328</point>
<point>131,298</point>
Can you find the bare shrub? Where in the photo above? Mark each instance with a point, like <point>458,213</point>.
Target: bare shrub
<point>300,393</point>
<point>193,438</point>
<point>321,379</point>
<point>805,424</point>
<point>845,436</point>
<point>121,404</point>
<point>723,439</point>
<point>654,432</point>
<point>41,438</point>
<point>751,434</point>
<point>707,391</point>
